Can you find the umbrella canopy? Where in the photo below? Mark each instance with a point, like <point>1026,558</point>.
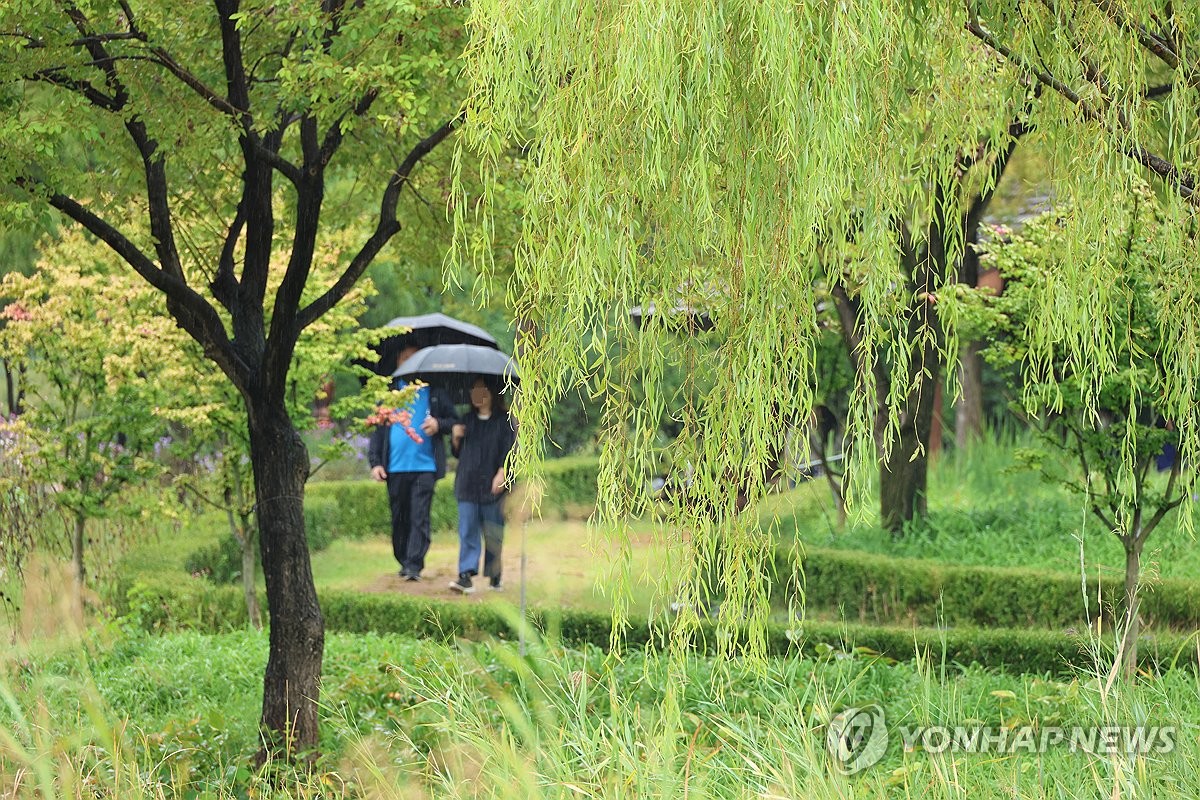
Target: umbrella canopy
<point>425,330</point>
<point>456,366</point>
<point>686,317</point>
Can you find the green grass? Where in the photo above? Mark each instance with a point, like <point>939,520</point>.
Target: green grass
<point>173,716</point>
<point>986,510</point>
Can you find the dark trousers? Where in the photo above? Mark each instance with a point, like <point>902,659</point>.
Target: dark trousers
<point>411,497</point>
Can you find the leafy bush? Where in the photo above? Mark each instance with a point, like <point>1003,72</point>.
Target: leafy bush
<point>571,482</point>
<point>876,588</point>
<point>358,509</point>
<point>220,562</point>
<point>199,607</point>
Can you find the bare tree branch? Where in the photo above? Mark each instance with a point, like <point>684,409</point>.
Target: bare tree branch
<point>224,284</point>
<point>333,137</point>
<point>161,56</point>
<point>79,87</point>
<point>387,227</point>
<point>1161,48</point>
<point>1182,181</point>
<point>191,310</point>
<point>238,90</point>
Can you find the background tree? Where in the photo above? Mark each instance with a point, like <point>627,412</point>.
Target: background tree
<point>92,339</point>
<point>772,167</point>
<point>210,417</point>
<point>1124,440</point>
<point>221,123</point>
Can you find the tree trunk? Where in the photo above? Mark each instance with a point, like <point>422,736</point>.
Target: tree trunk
<point>968,413</point>
<point>77,541</point>
<point>243,535</point>
<point>249,570</point>
<point>1129,637</point>
<point>77,552</point>
<point>935,427</point>
<point>10,388</point>
<point>297,631</point>
<point>904,472</point>
<point>902,481</point>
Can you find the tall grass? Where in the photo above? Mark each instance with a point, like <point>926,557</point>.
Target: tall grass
<point>132,716</point>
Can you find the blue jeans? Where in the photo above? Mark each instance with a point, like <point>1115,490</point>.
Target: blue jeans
<point>480,527</point>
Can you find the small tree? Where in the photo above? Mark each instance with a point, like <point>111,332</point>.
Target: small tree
<point>94,341</point>
<point>212,417</point>
<point>223,123</point>
<point>1109,419</point>
<point>24,502</point>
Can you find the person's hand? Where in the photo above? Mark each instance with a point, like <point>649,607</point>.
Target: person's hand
<point>430,426</point>
<point>458,432</point>
<point>379,473</point>
<point>498,482</point>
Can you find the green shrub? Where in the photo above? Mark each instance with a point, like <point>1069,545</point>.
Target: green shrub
<point>358,509</point>
<point>161,606</point>
<point>201,607</point>
<point>878,589</point>
<point>322,519</point>
<point>571,482</point>
<point>220,562</point>
<point>354,509</point>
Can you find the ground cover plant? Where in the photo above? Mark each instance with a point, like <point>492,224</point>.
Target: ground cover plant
<point>126,714</point>
<point>988,508</point>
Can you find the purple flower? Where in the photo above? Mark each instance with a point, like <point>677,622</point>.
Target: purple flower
<point>161,445</point>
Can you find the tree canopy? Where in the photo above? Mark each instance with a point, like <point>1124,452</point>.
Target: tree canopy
<point>217,149</point>
<point>741,155</point>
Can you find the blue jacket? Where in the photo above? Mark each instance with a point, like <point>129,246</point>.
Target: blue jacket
<point>441,409</point>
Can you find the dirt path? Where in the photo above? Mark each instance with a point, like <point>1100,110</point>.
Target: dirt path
<point>562,567</point>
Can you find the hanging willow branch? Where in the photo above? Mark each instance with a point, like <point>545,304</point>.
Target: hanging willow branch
<point>741,158</point>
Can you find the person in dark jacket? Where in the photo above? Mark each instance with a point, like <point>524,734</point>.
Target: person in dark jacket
<point>482,441</point>
<point>411,459</point>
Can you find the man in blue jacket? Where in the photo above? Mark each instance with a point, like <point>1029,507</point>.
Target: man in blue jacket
<point>411,460</point>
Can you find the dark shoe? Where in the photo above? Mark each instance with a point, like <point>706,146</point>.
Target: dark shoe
<point>412,577</point>
<point>494,583</point>
<point>463,584</point>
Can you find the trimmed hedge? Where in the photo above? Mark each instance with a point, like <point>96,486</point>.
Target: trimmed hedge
<point>878,589</point>
<point>161,606</point>
<point>358,509</point>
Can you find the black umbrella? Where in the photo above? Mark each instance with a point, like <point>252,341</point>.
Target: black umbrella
<point>685,317</point>
<point>426,330</point>
<point>456,366</point>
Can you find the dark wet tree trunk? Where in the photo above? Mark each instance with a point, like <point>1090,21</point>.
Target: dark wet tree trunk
<point>247,321</point>
<point>14,386</point>
<point>291,684</point>
<point>904,468</point>
<point>79,578</point>
<point>904,472</point>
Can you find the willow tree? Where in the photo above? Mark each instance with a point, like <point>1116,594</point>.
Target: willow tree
<point>770,147</point>
<point>243,130</point>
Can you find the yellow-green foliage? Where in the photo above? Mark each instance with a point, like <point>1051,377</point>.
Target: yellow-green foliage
<point>733,157</point>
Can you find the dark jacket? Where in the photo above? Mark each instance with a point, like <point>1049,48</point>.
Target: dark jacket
<point>379,450</point>
<point>481,454</point>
